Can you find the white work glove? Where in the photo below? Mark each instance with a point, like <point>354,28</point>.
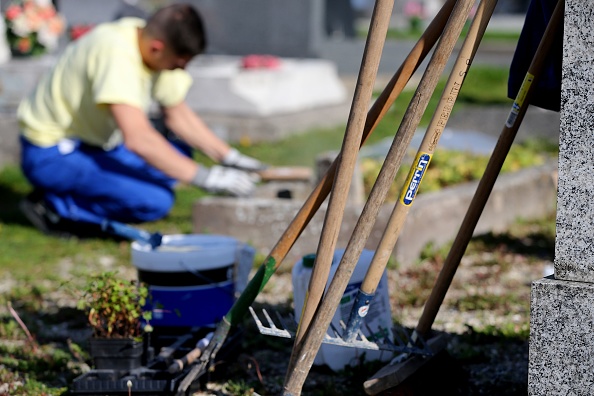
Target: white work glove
<point>234,159</point>
<point>230,181</point>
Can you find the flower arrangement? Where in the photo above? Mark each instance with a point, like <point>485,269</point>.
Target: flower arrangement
<point>33,27</point>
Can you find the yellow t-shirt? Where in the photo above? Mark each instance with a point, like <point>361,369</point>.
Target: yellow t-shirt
<point>103,67</point>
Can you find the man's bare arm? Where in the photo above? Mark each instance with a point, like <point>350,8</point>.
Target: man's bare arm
<point>141,138</point>
<point>189,127</point>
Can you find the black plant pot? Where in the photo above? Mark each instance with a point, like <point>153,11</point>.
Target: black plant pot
<point>122,354</point>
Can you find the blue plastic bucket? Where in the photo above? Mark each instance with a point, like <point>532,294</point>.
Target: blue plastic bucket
<point>190,278</point>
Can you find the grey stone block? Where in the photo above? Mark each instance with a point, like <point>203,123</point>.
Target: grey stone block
<point>18,77</point>
<point>245,128</point>
<point>266,104</point>
<point>223,85</point>
<point>434,218</point>
<point>258,222</point>
<point>561,328</point>
<point>574,256</point>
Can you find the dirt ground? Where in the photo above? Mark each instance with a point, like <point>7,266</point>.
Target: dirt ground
<point>485,319</point>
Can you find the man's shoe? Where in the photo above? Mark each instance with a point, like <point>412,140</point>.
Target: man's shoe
<point>35,209</point>
<point>46,220</point>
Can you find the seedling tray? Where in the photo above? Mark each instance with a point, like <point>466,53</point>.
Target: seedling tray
<point>153,378</point>
<point>111,382</point>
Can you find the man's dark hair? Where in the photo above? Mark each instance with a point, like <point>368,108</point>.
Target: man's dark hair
<point>180,27</point>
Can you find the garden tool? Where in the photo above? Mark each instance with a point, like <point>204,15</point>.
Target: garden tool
<point>179,364</point>
<point>392,375</point>
<point>419,168</point>
<point>132,233</point>
<point>270,264</point>
<point>315,333</point>
<point>286,173</point>
<point>347,159</point>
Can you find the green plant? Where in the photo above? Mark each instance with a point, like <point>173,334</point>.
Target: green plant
<point>239,388</point>
<point>114,306</point>
<point>451,167</point>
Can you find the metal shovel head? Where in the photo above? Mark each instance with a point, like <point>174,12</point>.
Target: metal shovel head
<point>286,328</point>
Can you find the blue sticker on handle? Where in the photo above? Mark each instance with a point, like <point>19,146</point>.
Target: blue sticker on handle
<point>413,181</point>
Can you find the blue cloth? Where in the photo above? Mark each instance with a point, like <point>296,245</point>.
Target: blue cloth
<point>547,90</point>
<point>89,184</point>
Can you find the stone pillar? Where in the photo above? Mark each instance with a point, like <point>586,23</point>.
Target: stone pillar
<point>561,353</point>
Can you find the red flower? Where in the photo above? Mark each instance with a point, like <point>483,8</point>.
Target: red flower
<point>12,12</point>
<point>260,62</point>
<point>77,31</point>
<point>24,45</point>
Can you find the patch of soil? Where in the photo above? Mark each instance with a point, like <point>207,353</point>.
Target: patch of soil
<point>484,317</point>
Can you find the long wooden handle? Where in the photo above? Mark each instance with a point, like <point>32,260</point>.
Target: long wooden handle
<point>419,167</point>
<point>316,331</point>
<point>378,29</point>
<point>487,182</point>
<point>322,189</point>
<point>309,208</point>
<point>427,146</point>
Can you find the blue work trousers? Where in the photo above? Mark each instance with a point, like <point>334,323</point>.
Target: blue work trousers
<point>89,184</point>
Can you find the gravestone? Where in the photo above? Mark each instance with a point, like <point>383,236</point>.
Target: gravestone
<point>89,11</point>
<point>285,28</point>
<point>561,357</point>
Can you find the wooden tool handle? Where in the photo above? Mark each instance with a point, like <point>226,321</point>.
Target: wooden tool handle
<point>306,352</point>
<point>487,182</point>
<point>380,21</point>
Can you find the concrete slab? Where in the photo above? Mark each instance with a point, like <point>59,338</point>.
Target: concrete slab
<point>435,217</point>
<point>222,85</point>
<point>262,104</point>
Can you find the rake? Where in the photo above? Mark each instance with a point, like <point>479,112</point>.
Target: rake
<point>347,160</point>
<point>380,107</point>
<point>397,339</point>
<point>306,352</point>
<point>351,334</point>
<point>419,167</point>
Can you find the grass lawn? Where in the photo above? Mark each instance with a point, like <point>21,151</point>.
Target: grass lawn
<point>25,253</point>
